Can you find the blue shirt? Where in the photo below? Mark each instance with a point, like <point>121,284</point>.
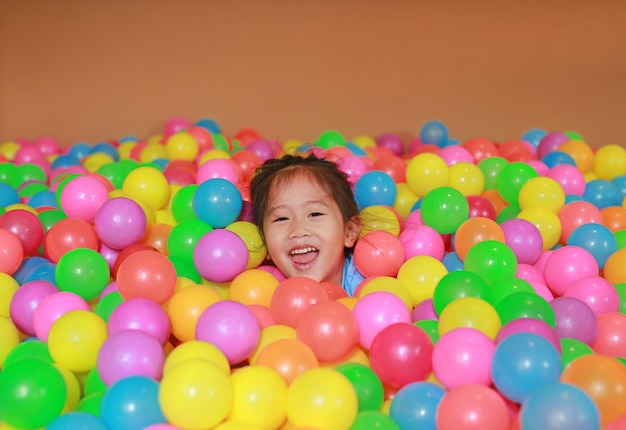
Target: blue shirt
<point>351,276</point>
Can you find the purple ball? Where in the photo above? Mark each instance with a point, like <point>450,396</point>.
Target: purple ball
<point>25,302</point>
<point>392,142</point>
<point>551,142</point>
<point>220,255</point>
<point>575,319</point>
<point>264,149</point>
<point>530,325</point>
<point>524,239</point>
<point>120,222</point>
<point>424,311</point>
<point>140,314</point>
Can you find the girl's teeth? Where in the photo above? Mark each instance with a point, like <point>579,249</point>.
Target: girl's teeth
<point>302,251</point>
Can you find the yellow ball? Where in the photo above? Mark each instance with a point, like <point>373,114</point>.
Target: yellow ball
<point>322,398</point>
<point>9,149</point>
<point>253,287</point>
<point>377,217</point>
<point>363,141</point>
<point>182,146</point>
<point>420,275</point>
<point>470,312</point>
<point>72,386</point>
<point>194,350</point>
<point>425,172</point>
<point>405,200</point>
<point>467,178</point>
<point>9,338</point>
<point>75,339</point>
<point>21,206</point>
<point>542,192</point>
<point>610,162</point>
<point>125,149</point>
<point>390,285</point>
<point>259,397</point>
<point>195,394</point>
<point>251,236</point>
<point>547,222</point>
<point>8,287</point>
<point>151,152</point>
<point>147,184</point>
<point>212,154</point>
<point>93,162</point>
<point>290,146</point>
<point>271,334</point>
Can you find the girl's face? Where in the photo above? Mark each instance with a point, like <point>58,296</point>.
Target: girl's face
<point>305,232</point>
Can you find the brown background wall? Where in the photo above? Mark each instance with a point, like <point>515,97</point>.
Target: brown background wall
<point>94,70</point>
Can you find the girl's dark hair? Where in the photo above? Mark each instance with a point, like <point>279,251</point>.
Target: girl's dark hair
<point>278,171</point>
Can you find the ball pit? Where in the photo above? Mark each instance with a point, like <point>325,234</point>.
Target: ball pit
<point>136,293</point>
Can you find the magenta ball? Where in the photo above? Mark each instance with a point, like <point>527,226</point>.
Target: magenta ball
<point>120,222</point>
<point>569,177</point>
<point>82,197</point>
<point>575,319</point>
<point>232,327</point>
<point>529,272</point>
<point>377,310</point>
<point>217,168</point>
<point>422,240</point>
<point>112,287</point>
<point>566,265</point>
<point>598,293</point>
<point>454,154</point>
<point>353,166</point>
<point>25,302</point>
<point>550,143</point>
<point>130,353</point>
<point>524,239</point>
<point>52,307</point>
<point>140,314</point>
<point>463,356</point>
<point>264,149</point>
<point>391,142</point>
<point>424,311</point>
<point>530,325</point>
<point>220,255</point>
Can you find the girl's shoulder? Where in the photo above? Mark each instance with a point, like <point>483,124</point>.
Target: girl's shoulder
<point>351,276</point>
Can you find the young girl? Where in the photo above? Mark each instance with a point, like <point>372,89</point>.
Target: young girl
<point>307,215</point>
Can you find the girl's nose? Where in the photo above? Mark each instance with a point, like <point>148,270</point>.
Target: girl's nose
<point>299,229</point>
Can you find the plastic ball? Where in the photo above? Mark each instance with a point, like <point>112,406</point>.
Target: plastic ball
<point>377,310</point>
<point>559,406</point>
<point>77,420</point>
<point>289,357</point>
<point>530,325</point>
<point>251,235</point>
<point>566,265</point>
<point>367,385</point>
<point>220,255</point>
<point>420,275</point>
<point>434,132</point>
<point>425,172</point>
<point>523,363</point>
<point>293,296</point>
<point>217,168</point>
<point>68,234</point>
<point>196,349</point>
<point>524,239</point>
<point>217,202</point>
<point>595,238</point>
<point>321,398</point>
<point>422,240</point>
<point>146,274</point>
<point>459,284</point>
<point>476,230</point>
<point>541,192</point>
<point>184,237</point>
<point>470,312</point>
<point>375,188</point>
<point>492,260</point>
<point>11,251</point>
<point>472,406</point>
<point>253,287</point>
<point>415,405</point>
<point>611,337</point>
<point>82,197</point>
<point>187,389</point>
<point>132,403</point>
<point>467,178</point>
<point>575,319</point>
<point>140,314</point>
<point>602,193</point>
<point>444,209</point>
<point>614,267</point>
<point>609,162</point>
<point>120,222</point>
<point>375,218</point>
<point>82,271</point>
<point>232,327</point>
<point>26,226</point>
<point>547,222</point>
<point>147,184</point>
<point>378,253</point>
<point>572,349</point>
<point>598,293</point>
<point>52,306</point>
<point>259,397</point>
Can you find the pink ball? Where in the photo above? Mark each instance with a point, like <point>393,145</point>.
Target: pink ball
<point>542,290</point>
<point>120,222</point>
<point>264,149</point>
<point>530,325</point>
<point>25,302</point>
<point>274,271</point>
<point>551,142</point>
<point>47,146</point>
<point>575,319</point>
<point>528,272</point>
<point>112,287</point>
<point>422,240</point>
<point>376,311</point>
<point>176,124</point>
<point>424,311</point>
<point>540,168</point>
<point>110,255</point>
<point>353,166</point>
<point>575,214</point>
<point>378,253</point>
<point>220,255</point>
<point>27,154</point>
<point>52,307</point>
<point>82,197</point>
<point>391,142</point>
<point>140,314</point>
<point>569,177</point>
<point>413,219</point>
<point>524,239</point>
<point>453,154</point>
<point>463,356</point>
<point>130,353</point>
<point>541,262</point>
<point>598,293</point>
<point>217,168</point>
<point>611,339</point>
<point>566,265</point>
<point>232,327</point>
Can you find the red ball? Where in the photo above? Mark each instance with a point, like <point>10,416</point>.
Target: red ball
<point>481,148</point>
<point>481,207</point>
<point>293,296</point>
<point>26,226</point>
<point>11,252</point>
<point>379,253</point>
<point>611,338</point>
<point>146,274</point>
<point>68,234</point>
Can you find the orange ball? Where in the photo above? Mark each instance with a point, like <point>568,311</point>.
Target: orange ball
<point>253,287</point>
<point>476,230</point>
<point>186,306</point>
<point>614,218</point>
<point>289,357</point>
<point>614,267</point>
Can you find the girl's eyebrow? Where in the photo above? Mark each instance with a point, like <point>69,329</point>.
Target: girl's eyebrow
<point>306,203</point>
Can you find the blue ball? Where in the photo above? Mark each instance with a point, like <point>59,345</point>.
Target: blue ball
<point>42,272</point>
<point>556,158</point>
<point>44,199</point>
<point>574,198</point>
<point>523,363</point>
<point>559,406</point>
<point>595,238</point>
<point>415,406</point>
<point>27,266</point>
<point>8,195</point>
<point>452,262</point>
<point>217,202</point>
<point>79,150</point>
<point>106,148</point>
<point>602,193</point>
<point>65,160</point>
<point>356,149</point>
<point>434,132</point>
<point>375,188</point>
<point>209,125</point>
<point>534,136</point>
<point>77,421</point>
<point>132,403</point>
<point>620,183</point>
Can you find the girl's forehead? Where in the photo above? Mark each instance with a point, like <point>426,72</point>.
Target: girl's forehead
<point>300,184</point>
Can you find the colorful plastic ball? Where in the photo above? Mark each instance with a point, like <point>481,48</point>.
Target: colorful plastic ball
<point>217,202</point>
<point>524,239</point>
<point>329,139</point>
<point>595,238</point>
<point>130,353</point>
<point>512,178</point>
<point>140,314</point>
<point>569,178</point>
<point>367,385</point>
<point>576,214</point>
<point>420,274</point>
<point>77,420</point>
<point>259,397</point>
<point>132,403</point>
<point>11,252</point>
<point>492,260</point>
<point>415,405</point>
<point>475,230</point>
<point>524,304</point>
<point>50,307</point>
<point>422,240</point>
<point>459,284</point>
<point>614,267</point>
<point>466,178</point>
<point>82,197</point>
<point>220,255</point>
<point>572,349</point>
<point>470,312</point>
<point>566,265</point>
<point>146,274</point>
<point>187,389</point>
<point>321,398</point>
<point>377,310</point>
<point>425,172</point>
<point>602,193</point>
<point>379,253</point>
<point>120,222</point>
<point>217,168</point>
<point>288,356</point>
<point>32,393</point>
<point>491,167</point>
<point>559,406</point>
<point>82,271</point>
<point>609,162</point>
<point>232,327</point>
<point>196,349</point>
<point>375,188</point>
<point>374,218</point>
<point>26,226</point>
<point>547,222</point>
<point>329,329</point>
<point>8,195</point>
<point>251,235</point>
<point>575,319</point>
<point>603,379</point>
<point>67,234</point>
<point>444,209</point>
<point>185,307</point>
<point>253,287</point>
<point>463,356</point>
<point>480,206</point>
<point>147,184</point>
<point>522,363</point>
<point>472,406</point>
<point>611,337</point>
<point>181,146</point>
<point>184,236</point>
<point>434,132</point>
<point>293,296</point>
<point>541,192</point>
<point>598,293</point>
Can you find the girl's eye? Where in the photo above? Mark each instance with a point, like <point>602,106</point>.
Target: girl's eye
<point>280,218</point>
<point>316,214</point>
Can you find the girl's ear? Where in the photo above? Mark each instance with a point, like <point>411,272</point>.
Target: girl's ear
<point>352,231</point>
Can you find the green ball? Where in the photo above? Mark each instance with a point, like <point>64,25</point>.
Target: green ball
<point>32,393</point>
<point>571,349</point>
<point>329,139</point>
<point>182,208</point>
<point>368,420</point>
<point>491,167</point>
<point>28,349</point>
<point>458,284</point>
<point>368,387</point>
<point>8,175</point>
<point>507,286</point>
<point>30,173</point>
<point>508,212</point>
<point>82,271</point>
<point>492,260</point>
<point>512,178</point>
<point>93,383</point>
<point>620,239</point>
<point>621,292</point>
<point>107,304</point>
<point>525,305</point>
<point>50,218</point>
<point>431,327</point>
<point>116,172</point>
<point>185,235</point>
<point>185,268</point>
<point>444,209</point>
<point>91,404</point>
